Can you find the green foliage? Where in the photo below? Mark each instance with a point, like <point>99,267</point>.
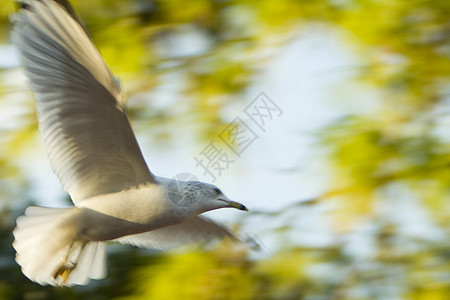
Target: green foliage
<point>198,276</point>
<point>405,49</point>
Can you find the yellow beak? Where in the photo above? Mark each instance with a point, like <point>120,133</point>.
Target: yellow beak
<point>236,205</point>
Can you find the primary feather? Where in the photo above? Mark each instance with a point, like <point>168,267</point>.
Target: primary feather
<point>81,109</point>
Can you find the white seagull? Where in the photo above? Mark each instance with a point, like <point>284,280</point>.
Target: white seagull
<point>94,153</point>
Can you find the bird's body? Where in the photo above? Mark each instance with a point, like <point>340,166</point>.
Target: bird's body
<point>145,208</point>
<point>93,151</point>
<point>138,210</point>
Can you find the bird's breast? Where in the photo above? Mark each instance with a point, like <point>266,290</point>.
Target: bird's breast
<point>128,212</point>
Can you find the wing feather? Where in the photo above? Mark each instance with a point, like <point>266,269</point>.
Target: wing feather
<point>81,108</point>
<point>197,229</point>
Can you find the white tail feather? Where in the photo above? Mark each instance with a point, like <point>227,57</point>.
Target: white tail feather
<point>46,240</point>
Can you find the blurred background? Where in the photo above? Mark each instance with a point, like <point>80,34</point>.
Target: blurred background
<point>346,172</point>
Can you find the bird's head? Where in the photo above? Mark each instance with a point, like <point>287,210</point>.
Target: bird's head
<point>200,197</point>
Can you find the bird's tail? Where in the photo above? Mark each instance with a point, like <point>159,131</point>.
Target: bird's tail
<point>49,251</point>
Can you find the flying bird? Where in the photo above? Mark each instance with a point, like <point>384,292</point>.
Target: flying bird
<point>94,153</point>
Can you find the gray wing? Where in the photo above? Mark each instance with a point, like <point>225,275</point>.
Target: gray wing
<point>194,230</point>
<point>81,108</point>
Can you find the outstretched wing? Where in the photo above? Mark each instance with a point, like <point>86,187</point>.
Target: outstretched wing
<point>194,230</point>
<point>81,108</point>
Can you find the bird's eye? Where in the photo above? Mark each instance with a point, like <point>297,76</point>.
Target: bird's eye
<point>217,191</point>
